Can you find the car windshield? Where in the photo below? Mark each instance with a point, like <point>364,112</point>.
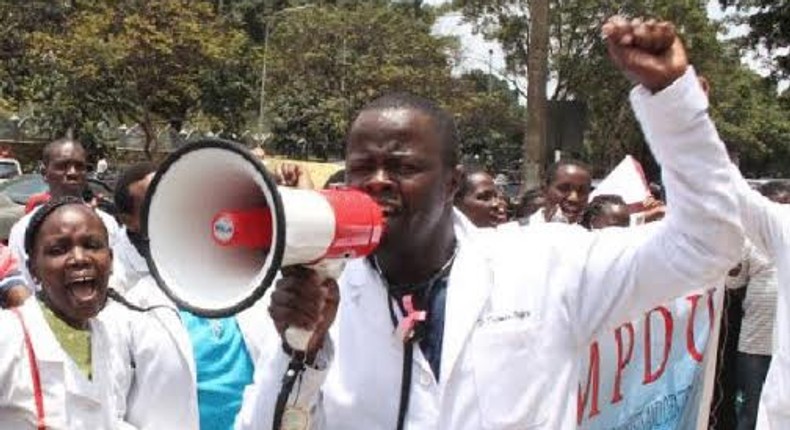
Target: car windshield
<point>22,187</point>
<point>8,170</point>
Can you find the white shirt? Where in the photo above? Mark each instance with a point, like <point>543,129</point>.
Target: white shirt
<point>758,275</point>
<point>16,239</point>
<point>767,225</point>
<point>177,360</point>
<point>524,302</point>
<point>539,217</point>
<point>129,267</point>
<point>71,400</point>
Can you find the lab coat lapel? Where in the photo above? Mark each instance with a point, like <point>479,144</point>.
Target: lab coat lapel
<point>51,362</point>
<point>368,295</point>
<point>129,253</point>
<point>167,314</point>
<point>468,291</point>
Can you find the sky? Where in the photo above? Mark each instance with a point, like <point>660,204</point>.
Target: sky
<point>478,53</point>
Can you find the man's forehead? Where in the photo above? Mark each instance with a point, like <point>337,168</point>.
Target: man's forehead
<point>393,129</point>
<point>572,168</point>
<point>68,150</point>
<point>374,121</point>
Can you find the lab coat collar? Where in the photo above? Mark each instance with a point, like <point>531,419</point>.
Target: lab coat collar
<point>148,295</point>
<point>128,253</point>
<point>363,273</point>
<point>468,290</point>
<point>53,360</point>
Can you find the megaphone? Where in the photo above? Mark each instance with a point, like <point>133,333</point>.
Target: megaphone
<point>218,228</point>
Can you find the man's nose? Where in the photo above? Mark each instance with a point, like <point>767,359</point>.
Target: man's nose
<point>380,180</point>
<point>72,170</point>
<point>573,196</point>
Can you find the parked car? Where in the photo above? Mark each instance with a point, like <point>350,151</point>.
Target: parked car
<point>9,168</point>
<point>15,193</point>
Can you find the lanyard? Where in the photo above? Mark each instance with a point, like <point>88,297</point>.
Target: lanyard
<point>34,373</point>
<point>411,318</point>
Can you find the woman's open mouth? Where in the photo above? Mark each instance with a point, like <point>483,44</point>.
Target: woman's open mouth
<point>83,289</point>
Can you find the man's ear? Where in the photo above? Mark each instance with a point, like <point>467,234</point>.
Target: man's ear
<point>454,181</point>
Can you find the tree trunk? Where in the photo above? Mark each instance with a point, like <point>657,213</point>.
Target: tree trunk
<point>537,75</point>
<point>150,136</point>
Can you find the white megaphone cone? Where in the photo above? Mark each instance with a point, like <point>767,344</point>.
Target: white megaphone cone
<point>219,229</point>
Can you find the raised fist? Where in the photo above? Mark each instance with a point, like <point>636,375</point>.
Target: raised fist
<point>649,52</point>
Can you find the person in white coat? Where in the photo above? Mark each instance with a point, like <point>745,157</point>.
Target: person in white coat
<point>196,385</point>
<point>218,355</point>
<point>479,200</point>
<point>129,266</point>
<point>68,356</point>
<point>65,166</point>
<point>496,319</point>
<point>767,226</point>
<point>567,189</point>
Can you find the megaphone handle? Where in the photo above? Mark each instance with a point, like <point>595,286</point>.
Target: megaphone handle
<point>298,338</point>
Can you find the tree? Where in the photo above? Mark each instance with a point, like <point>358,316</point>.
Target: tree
<point>537,76</point>
<point>769,27</point>
<point>18,19</point>
<point>153,63</point>
<point>753,122</point>
<point>581,70</point>
<point>490,121</point>
<point>347,55</point>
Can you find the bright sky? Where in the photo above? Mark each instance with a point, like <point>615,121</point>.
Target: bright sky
<point>478,53</point>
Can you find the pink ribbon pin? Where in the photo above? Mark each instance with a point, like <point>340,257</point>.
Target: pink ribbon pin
<point>413,316</point>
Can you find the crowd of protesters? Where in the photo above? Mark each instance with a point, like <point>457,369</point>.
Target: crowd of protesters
<point>508,297</point>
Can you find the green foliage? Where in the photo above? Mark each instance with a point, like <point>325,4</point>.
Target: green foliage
<point>490,121</point>
<point>748,114</point>
<point>769,27</point>
<point>95,65</point>
<point>326,62</point>
<point>149,63</point>
<point>753,122</point>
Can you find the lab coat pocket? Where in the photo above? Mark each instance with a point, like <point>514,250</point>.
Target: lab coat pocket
<point>504,356</point>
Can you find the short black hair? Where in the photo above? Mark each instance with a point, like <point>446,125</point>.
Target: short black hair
<point>46,153</point>
<point>597,205</point>
<point>526,198</point>
<point>338,177</point>
<point>41,215</point>
<point>465,186</point>
<point>134,173</point>
<point>551,172</point>
<point>445,124</point>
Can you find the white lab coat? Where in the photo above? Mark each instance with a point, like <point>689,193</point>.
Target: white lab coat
<point>767,225</point>
<point>524,302</point>
<point>129,267</point>
<point>155,392</point>
<point>16,239</point>
<point>71,400</point>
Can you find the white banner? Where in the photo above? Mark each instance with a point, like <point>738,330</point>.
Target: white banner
<point>656,372</point>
